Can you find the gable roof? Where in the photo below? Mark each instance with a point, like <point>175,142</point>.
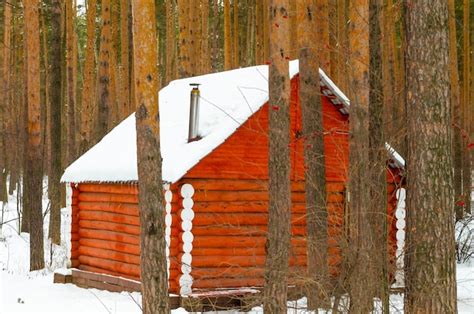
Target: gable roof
<point>228,99</point>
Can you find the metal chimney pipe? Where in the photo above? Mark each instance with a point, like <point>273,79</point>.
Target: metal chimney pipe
<point>194,114</point>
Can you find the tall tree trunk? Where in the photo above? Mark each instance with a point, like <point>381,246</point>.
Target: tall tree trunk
<point>88,89</point>
<point>279,211</point>
<point>104,72</point>
<point>333,36</point>
<point>184,40</point>
<point>205,56</point>
<point>315,162</point>
<point>215,34</point>
<point>235,35</point>
<point>71,83</point>
<point>466,164</point>
<point>124,58</point>
<point>430,259</point>
<point>322,20</point>
<point>55,123</point>
<point>5,80</point>
<point>33,174</point>
<point>170,41</point>
<point>154,275</point>
<point>456,112</point>
<point>227,37</point>
<point>360,289</point>
<point>377,158</point>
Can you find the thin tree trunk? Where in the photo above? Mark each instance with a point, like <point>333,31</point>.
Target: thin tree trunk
<point>227,37</point>
<point>430,259</point>
<point>315,162</point>
<point>322,20</point>
<point>279,211</point>
<point>184,40</point>
<point>124,59</point>
<point>33,176</point>
<point>205,56</point>
<point>456,112</point>
<point>215,37</point>
<point>104,72</point>
<point>154,275</point>
<point>235,35</point>
<point>71,83</point>
<point>377,159</point>
<point>360,289</point>
<point>170,41</point>
<point>88,89</point>
<point>466,152</point>
<point>55,124</point>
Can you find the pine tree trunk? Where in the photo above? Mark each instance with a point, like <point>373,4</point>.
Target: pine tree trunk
<point>322,20</point>
<point>55,124</point>
<point>430,259</point>
<point>124,57</point>
<point>235,35</point>
<point>227,37</point>
<point>33,174</point>
<point>205,56</point>
<point>315,162</point>
<point>360,289</point>
<point>5,122</point>
<point>153,263</point>
<point>104,72</point>
<point>215,36</point>
<point>170,41</point>
<point>71,84</point>
<point>88,89</point>
<point>184,40</point>
<point>279,211</point>
<point>466,164</point>
<point>377,159</point>
<point>456,112</point>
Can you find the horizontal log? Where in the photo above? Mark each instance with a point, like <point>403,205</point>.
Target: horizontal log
<point>111,245</point>
<point>231,251</point>
<point>109,235</point>
<point>240,230</point>
<point>200,273</point>
<point>232,196</point>
<point>119,267</point>
<point>105,271</point>
<point>228,283</point>
<point>105,197</point>
<point>109,217</point>
<point>110,226</point>
<point>237,241</point>
<point>109,188</point>
<point>110,255</point>
<point>207,219</point>
<point>119,208</point>
<point>251,185</point>
<point>239,261</point>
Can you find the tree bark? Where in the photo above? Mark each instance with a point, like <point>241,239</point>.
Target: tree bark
<point>104,72</point>
<point>184,40</point>
<point>88,89</point>
<point>456,113</point>
<point>466,164</point>
<point>33,174</point>
<point>318,293</point>
<point>153,263</point>
<point>71,83</point>
<point>430,259</point>
<point>55,123</point>
<point>377,159</point>
<point>227,37</point>
<point>279,211</point>
<point>360,288</point>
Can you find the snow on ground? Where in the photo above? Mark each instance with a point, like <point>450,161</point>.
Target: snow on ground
<point>22,291</point>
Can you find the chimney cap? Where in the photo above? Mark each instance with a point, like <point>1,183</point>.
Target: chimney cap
<point>195,85</point>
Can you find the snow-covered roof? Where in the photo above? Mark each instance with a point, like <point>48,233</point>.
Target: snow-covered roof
<point>228,99</point>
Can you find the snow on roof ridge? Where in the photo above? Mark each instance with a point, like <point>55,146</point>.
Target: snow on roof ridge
<point>228,99</point>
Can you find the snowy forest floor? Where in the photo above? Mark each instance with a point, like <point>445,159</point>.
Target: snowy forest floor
<point>22,291</point>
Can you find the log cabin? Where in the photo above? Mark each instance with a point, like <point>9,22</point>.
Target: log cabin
<point>215,183</point>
